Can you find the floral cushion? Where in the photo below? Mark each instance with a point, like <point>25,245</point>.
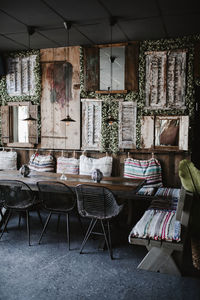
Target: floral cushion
<point>88,164</point>
<point>67,165</point>
<point>8,160</point>
<point>149,170</point>
<point>42,163</point>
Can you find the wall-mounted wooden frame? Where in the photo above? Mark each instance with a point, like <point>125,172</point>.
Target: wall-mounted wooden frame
<point>127,124</point>
<point>91,124</point>
<point>165,132</point>
<point>92,68</point>
<point>165,79</point>
<point>8,126</point>
<point>20,78</point>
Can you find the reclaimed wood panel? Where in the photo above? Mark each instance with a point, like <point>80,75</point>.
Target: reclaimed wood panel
<point>183,132</point>
<point>156,79</point>
<point>147,132</point>
<point>32,127</point>
<point>91,68</point>
<point>54,133</point>
<point>197,61</point>
<point>5,124</point>
<point>131,66</point>
<point>127,125</point>
<point>91,124</point>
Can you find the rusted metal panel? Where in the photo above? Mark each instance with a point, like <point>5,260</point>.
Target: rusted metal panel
<point>91,124</point>
<point>131,66</point>
<point>127,125</point>
<point>91,68</point>
<point>147,132</point>
<point>60,90</point>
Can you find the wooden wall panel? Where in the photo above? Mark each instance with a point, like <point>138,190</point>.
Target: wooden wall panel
<point>131,66</point>
<point>197,61</point>
<point>54,133</point>
<point>91,68</point>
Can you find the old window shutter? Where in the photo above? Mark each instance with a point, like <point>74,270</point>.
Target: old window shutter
<point>127,125</point>
<point>183,133</point>
<point>91,69</point>
<point>131,66</point>
<point>6,126</point>
<point>176,78</point>
<point>13,77</point>
<point>147,132</point>
<point>32,126</point>
<point>155,89</point>
<point>91,124</point>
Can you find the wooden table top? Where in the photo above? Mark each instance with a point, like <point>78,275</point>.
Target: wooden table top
<point>113,183</point>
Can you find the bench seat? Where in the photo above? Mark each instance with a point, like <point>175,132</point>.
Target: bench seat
<point>164,233</point>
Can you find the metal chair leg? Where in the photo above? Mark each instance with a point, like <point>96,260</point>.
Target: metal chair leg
<point>58,222</point>
<point>68,231</point>
<point>109,238</point>
<point>6,223</point>
<point>45,226</point>
<point>39,215</point>
<point>107,243</point>
<point>19,221</point>
<point>90,228</point>
<point>28,227</point>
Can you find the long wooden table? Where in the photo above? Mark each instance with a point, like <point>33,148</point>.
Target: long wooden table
<point>119,185</point>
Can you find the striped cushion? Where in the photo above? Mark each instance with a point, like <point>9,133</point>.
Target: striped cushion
<point>157,225</point>
<point>170,193</point>
<point>88,164</point>
<point>67,165</point>
<point>150,170</point>
<point>8,160</point>
<point>146,191</point>
<point>42,163</point>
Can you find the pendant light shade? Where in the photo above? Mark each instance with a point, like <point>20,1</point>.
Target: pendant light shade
<point>110,120</point>
<point>68,120</point>
<point>31,31</point>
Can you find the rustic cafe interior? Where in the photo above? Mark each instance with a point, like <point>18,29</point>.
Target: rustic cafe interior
<point>99,149</point>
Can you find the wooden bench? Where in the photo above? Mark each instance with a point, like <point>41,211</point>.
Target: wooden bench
<point>167,256</point>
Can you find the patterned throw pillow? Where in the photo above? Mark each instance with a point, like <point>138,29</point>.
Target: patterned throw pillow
<point>171,194</point>
<point>67,165</point>
<point>150,170</point>
<point>157,225</point>
<point>8,160</point>
<point>42,163</point>
<point>88,164</point>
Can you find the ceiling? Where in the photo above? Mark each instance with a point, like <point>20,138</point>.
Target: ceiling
<point>136,20</point>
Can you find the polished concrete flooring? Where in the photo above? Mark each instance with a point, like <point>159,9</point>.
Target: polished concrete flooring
<point>50,272</point>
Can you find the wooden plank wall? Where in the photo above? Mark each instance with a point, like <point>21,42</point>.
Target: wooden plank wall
<point>169,161</point>
<point>54,133</point>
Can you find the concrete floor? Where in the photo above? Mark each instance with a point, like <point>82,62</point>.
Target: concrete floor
<point>50,271</point>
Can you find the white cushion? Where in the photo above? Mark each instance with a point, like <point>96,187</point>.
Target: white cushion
<point>8,160</point>
<point>67,165</point>
<point>88,164</point>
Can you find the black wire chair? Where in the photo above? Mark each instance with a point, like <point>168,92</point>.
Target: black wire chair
<point>56,198</point>
<point>18,197</point>
<point>99,204</point>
